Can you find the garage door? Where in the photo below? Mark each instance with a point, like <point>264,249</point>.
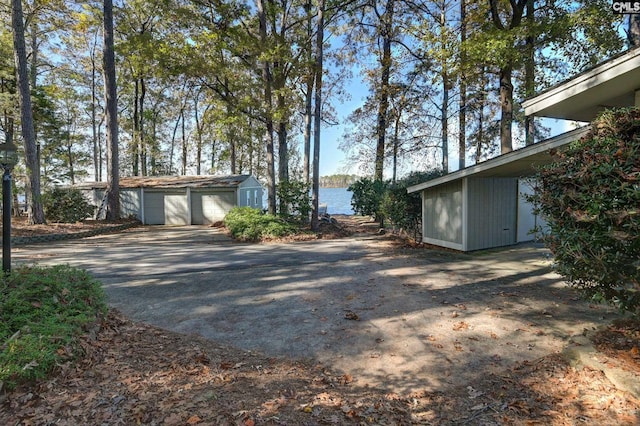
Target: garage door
<point>154,208</point>
<point>176,209</point>
<point>166,208</point>
<point>208,208</point>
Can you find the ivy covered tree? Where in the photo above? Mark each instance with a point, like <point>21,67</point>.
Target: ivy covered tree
<point>590,197</point>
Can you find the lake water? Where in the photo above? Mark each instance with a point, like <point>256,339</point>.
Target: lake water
<point>338,200</point>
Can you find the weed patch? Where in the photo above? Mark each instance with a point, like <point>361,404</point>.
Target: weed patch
<point>42,312</point>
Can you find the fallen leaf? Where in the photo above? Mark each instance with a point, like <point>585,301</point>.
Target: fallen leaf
<point>460,326</point>
<point>194,420</point>
<point>345,379</point>
<point>350,315</point>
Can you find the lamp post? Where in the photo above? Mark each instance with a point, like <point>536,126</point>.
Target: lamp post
<point>8,159</point>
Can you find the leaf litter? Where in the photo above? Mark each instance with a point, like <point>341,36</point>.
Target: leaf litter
<point>132,373</point>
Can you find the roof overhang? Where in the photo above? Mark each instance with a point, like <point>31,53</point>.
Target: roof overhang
<point>169,182</point>
<point>520,163</point>
<point>608,85</point>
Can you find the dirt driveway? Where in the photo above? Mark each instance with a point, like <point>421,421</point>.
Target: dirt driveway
<point>396,318</point>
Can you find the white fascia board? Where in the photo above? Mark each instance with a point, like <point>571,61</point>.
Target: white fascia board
<point>583,82</point>
<point>443,243</point>
<point>502,160</point>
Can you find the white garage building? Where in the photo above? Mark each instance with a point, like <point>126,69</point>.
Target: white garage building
<point>180,200</point>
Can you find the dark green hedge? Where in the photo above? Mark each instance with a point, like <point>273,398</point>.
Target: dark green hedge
<point>590,197</point>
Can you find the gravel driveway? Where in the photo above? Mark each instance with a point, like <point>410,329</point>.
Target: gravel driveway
<point>397,318</point>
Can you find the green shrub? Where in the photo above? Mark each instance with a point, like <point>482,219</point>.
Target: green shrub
<point>402,209</point>
<point>367,196</point>
<point>42,312</point>
<point>66,206</point>
<point>295,196</point>
<point>249,224</point>
<point>590,197</point>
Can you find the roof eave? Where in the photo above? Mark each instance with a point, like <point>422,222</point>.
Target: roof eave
<point>495,164</point>
<point>581,97</point>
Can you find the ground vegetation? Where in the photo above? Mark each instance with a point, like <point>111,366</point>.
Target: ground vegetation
<point>43,312</point>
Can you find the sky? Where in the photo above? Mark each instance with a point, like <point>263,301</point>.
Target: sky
<point>332,159</point>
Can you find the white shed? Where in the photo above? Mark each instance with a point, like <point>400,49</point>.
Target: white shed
<point>180,200</point>
<point>482,206</point>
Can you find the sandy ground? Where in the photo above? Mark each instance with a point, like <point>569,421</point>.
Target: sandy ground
<point>368,313</point>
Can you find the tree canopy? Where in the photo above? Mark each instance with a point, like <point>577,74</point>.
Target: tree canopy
<point>231,86</point>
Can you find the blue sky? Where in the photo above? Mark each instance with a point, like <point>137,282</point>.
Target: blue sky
<point>332,159</point>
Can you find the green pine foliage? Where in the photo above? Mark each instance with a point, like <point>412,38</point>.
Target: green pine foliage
<point>590,197</point>
<point>42,313</point>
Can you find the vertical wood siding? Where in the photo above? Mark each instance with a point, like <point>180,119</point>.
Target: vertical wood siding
<point>492,212</point>
<point>442,208</point>
<point>130,203</point>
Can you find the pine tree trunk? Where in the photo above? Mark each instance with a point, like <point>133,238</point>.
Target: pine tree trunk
<point>317,117</point>
<point>308,98</point>
<point>35,211</point>
<point>143,139</point>
<point>529,72</point>
<point>462,128</point>
<point>506,103</point>
<point>111,113</point>
<point>383,106</point>
<point>267,81</point>
<point>633,32</point>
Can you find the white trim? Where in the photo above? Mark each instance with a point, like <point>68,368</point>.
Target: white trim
<point>505,159</point>
<point>584,82</point>
<point>464,199</point>
<point>443,243</point>
<point>189,211</point>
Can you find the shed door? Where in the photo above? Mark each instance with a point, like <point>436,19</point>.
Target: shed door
<point>216,206</point>
<point>162,208</point>
<point>176,210</point>
<point>153,208</point>
<point>208,208</point>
